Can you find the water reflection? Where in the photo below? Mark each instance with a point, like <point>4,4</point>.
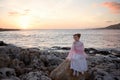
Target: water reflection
<point>49,38</point>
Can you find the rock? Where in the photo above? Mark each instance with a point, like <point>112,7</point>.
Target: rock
<point>63,72</point>
<point>4,60</point>
<point>33,50</point>
<point>11,50</point>
<point>100,74</point>
<point>17,63</point>
<point>11,78</point>
<point>32,63</point>
<point>19,66</point>
<point>56,47</point>
<point>103,52</point>
<point>60,48</point>
<point>90,50</point>
<point>27,56</point>
<point>44,59</point>
<point>4,50</point>
<point>53,60</point>
<point>7,72</point>
<point>116,53</point>
<point>2,43</point>
<point>38,75</point>
<point>65,48</point>
<point>37,63</point>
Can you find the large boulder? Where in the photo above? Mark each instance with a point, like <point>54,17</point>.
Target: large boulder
<point>63,72</point>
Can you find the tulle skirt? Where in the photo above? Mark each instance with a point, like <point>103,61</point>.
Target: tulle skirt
<point>78,63</point>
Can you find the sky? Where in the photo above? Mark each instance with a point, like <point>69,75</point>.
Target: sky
<point>58,14</point>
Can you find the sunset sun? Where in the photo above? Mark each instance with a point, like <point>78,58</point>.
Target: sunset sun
<point>24,22</point>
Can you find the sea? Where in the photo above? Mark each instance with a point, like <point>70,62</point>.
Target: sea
<point>92,38</point>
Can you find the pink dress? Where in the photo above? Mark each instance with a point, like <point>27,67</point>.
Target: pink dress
<point>77,56</point>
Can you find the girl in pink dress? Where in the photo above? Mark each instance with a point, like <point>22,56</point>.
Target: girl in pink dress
<point>77,56</point>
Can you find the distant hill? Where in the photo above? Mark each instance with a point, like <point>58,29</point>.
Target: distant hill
<point>115,26</point>
<point>1,29</point>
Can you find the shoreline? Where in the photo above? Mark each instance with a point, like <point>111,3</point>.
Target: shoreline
<point>29,63</point>
<point>2,29</point>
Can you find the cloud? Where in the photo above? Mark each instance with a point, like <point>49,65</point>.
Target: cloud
<point>114,7</point>
<point>13,13</point>
<point>16,13</point>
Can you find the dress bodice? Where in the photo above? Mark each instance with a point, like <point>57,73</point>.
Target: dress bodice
<point>77,48</point>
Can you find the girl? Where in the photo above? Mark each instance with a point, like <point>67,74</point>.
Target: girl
<point>77,56</point>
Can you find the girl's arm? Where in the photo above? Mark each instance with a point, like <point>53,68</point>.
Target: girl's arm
<point>70,52</point>
<point>84,52</point>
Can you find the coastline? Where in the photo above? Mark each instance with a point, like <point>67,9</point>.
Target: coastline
<point>29,63</point>
<point>1,29</point>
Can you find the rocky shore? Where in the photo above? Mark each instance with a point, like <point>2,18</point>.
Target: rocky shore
<point>2,29</point>
<point>18,63</point>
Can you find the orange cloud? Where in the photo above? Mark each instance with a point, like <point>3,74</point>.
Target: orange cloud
<point>15,13</point>
<point>113,6</point>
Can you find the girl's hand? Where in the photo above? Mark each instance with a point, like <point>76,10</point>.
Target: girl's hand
<point>86,56</point>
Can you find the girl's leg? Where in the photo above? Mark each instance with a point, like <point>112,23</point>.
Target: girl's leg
<point>82,72</point>
<point>74,72</point>
<point>83,76</point>
<point>77,73</point>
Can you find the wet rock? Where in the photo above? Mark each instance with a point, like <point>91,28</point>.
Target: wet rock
<point>14,51</point>
<point>28,56</point>
<point>45,60</point>
<point>65,48</point>
<point>18,65</point>
<point>61,55</point>
<point>38,75</point>
<point>4,60</point>
<point>4,50</point>
<point>37,64</point>
<point>53,60</point>
<point>60,48</point>
<point>32,63</point>
<point>25,57</point>
<point>90,50</point>
<point>11,78</point>
<point>11,50</point>
<point>7,72</point>
<point>100,74</point>
<point>103,52</point>
<point>116,52</point>
<point>56,47</point>
<point>63,72</point>
<point>2,43</point>
<point>33,50</point>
